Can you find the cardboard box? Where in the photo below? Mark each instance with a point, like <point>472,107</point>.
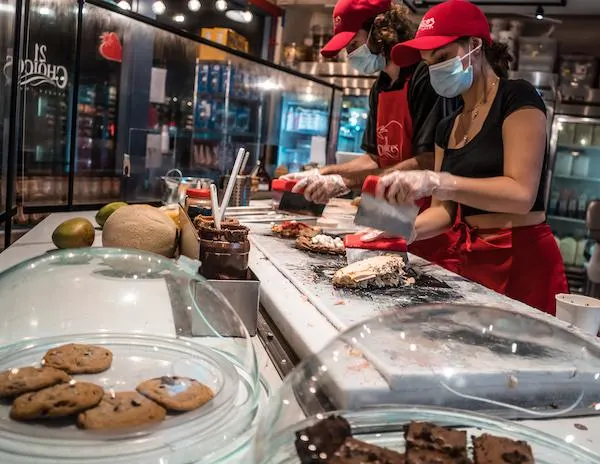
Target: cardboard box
<point>222,36</point>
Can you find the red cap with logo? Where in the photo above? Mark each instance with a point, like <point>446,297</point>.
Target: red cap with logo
<point>441,25</point>
<point>348,18</point>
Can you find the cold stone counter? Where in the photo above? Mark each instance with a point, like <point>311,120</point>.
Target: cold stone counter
<point>298,296</point>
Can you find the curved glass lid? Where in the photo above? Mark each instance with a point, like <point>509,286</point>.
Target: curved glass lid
<point>481,359</point>
<point>159,320</point>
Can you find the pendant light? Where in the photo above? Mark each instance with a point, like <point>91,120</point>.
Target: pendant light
<point>158,7</point>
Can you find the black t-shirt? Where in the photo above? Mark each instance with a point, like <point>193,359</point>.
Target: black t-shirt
<point>483,156</point>
<point>426,108</point>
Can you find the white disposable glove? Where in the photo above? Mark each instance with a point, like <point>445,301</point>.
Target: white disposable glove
<point>321,188</point>
<point>401,187</point>
<point>371,235</point>
<point>300,175</point>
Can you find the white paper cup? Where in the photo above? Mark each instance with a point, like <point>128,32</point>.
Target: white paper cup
<point>581,311</point>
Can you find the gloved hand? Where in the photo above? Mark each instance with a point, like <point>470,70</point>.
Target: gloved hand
<point>321,188</point>
<point>408,186</point>
<point>301,175</point>
<point>371,235</point>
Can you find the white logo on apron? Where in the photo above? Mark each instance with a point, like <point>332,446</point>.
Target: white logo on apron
<point>384,148</point>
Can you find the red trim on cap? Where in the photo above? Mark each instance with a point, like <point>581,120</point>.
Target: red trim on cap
<point>337,43</point>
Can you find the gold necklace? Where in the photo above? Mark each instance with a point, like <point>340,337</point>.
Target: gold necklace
<point>475,112</point>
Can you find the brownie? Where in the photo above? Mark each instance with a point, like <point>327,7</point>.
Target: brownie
<point>426,436</point>
<point>318,443</point>
<point>428,456</point>
<point>354,451</point>
<point>499,450</point>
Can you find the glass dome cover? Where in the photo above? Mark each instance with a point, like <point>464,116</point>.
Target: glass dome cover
<point>456,366</point>
<point>158,319</point>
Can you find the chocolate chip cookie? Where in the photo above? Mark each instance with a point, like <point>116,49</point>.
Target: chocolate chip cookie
<point>57,401</point>
<point>121,410</point>
<point>177,394</point>
<point>15,382</point>
<point>79,359</point>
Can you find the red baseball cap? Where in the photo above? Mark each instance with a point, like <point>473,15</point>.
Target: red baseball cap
<point>348,18</point>
<point>441,25</point>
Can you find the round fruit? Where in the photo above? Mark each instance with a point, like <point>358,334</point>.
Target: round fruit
<point>74,233</point>
<point>142,227</point>
<point>107,210</point>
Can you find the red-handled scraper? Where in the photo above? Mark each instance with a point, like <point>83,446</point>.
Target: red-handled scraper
<point>397,220</point>
<point>357,250</point>
<point>293,202</point>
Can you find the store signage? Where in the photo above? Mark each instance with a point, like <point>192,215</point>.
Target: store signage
<point>110,47</point>
<point>37,71</point>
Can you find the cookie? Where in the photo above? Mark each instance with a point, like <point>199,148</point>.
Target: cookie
<point>177,394</point>
<point>121,410</point>
<point>15,382</point>
<point>57,401</point>
<point>79,359</point>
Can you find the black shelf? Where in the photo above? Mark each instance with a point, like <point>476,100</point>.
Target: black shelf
<point>223,96</point>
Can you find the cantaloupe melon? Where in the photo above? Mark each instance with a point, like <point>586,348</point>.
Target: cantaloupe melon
<point>142,227</point>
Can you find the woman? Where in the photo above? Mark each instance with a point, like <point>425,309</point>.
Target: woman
<point>404,110</point>
<point>490,160</point>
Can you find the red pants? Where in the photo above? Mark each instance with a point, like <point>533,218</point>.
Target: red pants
<point>523,263</point>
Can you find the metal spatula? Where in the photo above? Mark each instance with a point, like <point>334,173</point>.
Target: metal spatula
<point>294,202</point>
<point>397,220</point>
<point>357,250</point>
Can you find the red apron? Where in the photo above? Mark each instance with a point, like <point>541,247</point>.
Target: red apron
<point>394,144</point>
<point>523,263</point>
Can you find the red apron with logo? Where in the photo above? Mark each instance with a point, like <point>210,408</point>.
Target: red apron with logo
<point>394,144</point>
<point>523,263</point>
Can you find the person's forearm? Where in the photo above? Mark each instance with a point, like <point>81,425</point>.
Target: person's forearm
<point>423,161</point>
<point>354,172</point>
<point>432,222</point>
<point>494,194</point>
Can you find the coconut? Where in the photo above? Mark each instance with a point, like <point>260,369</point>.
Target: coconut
<point>141,227</point>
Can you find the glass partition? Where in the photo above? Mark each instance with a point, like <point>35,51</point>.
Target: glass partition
<point>113,100</point>
<point>152,101</point>
<point>7,22</point>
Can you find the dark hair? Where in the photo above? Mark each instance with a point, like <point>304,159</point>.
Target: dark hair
<point>498,57</point>
<point>496,54</point>
<point>390,28</point>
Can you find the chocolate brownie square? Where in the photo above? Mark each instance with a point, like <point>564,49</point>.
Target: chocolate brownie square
<point>426,436</point>
<point>354,451</point>
<point>317,444</point>
<point>499,450</point>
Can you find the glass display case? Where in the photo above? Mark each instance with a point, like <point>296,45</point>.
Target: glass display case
<point>575,181</point>
<point>135,98</point>
<point>353,120</point>
<point>304,127</point>
<point>156,321</point>
<point>355,398</point>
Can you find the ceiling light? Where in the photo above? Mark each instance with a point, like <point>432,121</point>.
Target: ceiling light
<point>194,5</point>
<point>159,7</point>
<point>239,16</point>
<point>539,13</point>
<point>5,8</point>
<point>179,18</point>
<point>124,5</point>
<point>221,5</point>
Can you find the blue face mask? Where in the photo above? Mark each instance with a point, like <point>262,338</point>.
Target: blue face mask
<point>449,79</point>
<point>365,61</point>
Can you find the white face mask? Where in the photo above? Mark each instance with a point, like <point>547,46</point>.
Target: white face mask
<point>364,61</point>
<point>449,79</point>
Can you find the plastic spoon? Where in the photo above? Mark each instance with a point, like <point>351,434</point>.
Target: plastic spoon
<point>232,180</point>
<point>215,206</point>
